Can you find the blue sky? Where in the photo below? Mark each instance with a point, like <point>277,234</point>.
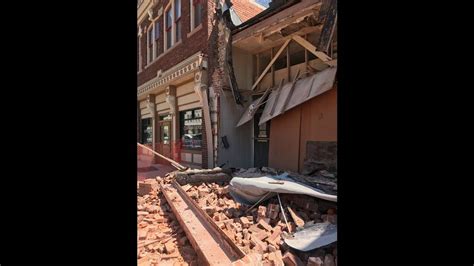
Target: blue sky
<point>263,2</point>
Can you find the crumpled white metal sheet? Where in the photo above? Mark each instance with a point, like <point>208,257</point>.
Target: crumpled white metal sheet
<point>314,236</point>
<point>250,190</point>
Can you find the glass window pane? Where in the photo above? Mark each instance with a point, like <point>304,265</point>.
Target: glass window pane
<point>178,31</point>
<point>197,15</point>
<point>177,9</point>
<point>168,39</point>
<point>157,30</point>
<point>191,129</point>
<point>165,134</point>
<point>168,18</point>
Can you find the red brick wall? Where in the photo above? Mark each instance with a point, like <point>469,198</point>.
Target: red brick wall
<point>188,46</point>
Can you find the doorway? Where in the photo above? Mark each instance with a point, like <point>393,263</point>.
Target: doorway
<point>164,138</point>
<point>261,140</point>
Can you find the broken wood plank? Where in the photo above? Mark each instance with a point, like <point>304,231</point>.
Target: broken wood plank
<point>298,221</point>
<point>149,242</point>
<point>270,64</point>
<point>327,17</point>
<point>311,48</point>
<point>187,187</point>
<point>207,239</point>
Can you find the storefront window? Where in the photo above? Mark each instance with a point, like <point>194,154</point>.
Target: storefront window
<point>191,128</point>
<point>147,131</point>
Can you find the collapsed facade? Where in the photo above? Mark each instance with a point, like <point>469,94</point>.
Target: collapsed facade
<point>285,63</point>
<point>267,98</point>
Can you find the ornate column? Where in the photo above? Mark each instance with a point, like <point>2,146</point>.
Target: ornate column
<point>200,87</point>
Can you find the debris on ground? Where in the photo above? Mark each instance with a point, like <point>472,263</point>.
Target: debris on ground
<point>265,231</point>
<point>261,229</point>
<point>161,241</point>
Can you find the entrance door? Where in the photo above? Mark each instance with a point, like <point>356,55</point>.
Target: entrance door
<point>164,141</point>
<point>261,140</point>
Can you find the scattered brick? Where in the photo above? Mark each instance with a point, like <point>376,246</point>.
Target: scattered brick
<point>291,260</point>
<point>265,225</point>
<point>170,247</point>
<point>314,261</point>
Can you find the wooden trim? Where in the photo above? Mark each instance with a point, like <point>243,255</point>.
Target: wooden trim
<point>270,64</point>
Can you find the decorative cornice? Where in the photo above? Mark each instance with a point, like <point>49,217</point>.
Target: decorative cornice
<point>189,65</point>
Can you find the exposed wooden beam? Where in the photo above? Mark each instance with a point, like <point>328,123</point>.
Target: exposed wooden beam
<point>328,18</point>
<point>311,48</point>
<point>268,45</point>
<point>270,64</point>
<point>286,16</point>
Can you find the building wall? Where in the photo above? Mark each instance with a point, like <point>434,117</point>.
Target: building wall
<point>239,153</point>
<point>195,42</point>
<point>314,120</point>
<point>186,99</point>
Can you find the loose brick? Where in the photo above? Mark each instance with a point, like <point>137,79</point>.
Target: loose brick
<point>262,235</point>
<point>261,247</point>
<point>291,260</point>
<point>210,210</point>
<point>245,222</point>
<point>265,225</point>
<point>170,247</point>
<point>273,211</point>
<point>144,189</point>
<point>186,187</point>
<point>314,261</point>
<point>142,234</point>
<point>262,211</point>
<point>271,248</point>
<point>254,229</point>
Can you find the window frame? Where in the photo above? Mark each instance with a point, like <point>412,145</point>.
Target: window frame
<point>177,21</point>
<point>182,124</point>
<point>168,28</point>
<point>156,40</point>
<point>193,4</point>
<point>150,38</point>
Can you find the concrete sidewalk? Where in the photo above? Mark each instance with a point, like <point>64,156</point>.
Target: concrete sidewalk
<point>146,169</point>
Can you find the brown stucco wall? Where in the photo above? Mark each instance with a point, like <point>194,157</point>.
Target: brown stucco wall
<point>315,120</point>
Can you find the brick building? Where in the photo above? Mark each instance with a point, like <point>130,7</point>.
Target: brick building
<point>176,67</point>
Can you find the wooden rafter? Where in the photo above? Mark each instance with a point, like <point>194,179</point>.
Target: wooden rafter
<point>270,64</point>
<point>312,49</point>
